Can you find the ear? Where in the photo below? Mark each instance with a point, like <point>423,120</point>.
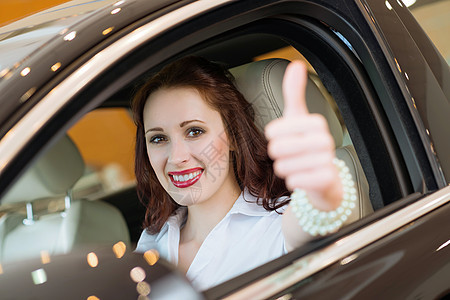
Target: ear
<point>233,144</point>
<point>224,136</point>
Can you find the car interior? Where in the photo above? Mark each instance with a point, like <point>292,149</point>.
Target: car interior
<point>66,200</point>
<point>53,220</point>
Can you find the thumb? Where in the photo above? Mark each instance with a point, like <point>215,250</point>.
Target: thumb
<point>294,89</point>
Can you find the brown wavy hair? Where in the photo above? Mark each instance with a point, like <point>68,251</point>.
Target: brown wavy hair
<point>252,166</point>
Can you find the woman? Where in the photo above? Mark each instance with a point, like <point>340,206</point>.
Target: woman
<point>217,205</point>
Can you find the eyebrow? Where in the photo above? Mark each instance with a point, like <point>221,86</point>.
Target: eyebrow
<point>182,124</point>
<point>154,129</point>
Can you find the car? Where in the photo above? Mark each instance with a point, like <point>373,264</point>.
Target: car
<point>70,216</point>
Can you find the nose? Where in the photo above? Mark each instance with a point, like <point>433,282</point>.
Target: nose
<point>179,152</point>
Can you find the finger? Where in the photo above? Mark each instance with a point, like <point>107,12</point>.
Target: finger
<point>304,164</point>
<point>294,88</point>
<point>287,146</point>
<point>316,181</point>
<point>310,124</point>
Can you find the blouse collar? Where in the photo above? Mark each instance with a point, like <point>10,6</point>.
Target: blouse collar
<point>245,204</point>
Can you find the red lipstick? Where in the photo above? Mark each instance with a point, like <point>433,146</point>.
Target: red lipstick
<point>177,177</point>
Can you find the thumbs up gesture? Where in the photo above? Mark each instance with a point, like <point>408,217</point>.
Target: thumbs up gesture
<point>301,146</point>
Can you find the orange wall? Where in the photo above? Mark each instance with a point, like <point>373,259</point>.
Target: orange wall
<point>106,136</point>
<point>11,10</point>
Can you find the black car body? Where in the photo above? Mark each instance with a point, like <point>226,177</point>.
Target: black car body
<point>391,85</point>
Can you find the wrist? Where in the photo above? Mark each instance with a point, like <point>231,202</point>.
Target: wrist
<point>317,221</point>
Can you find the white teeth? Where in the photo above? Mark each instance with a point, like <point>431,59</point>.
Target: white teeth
<point>182,178</point>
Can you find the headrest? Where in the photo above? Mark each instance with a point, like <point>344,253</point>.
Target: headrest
<point>51,175</point>
<point>261,84</point>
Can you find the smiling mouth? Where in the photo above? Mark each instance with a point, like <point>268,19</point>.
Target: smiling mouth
<point>185,178</point>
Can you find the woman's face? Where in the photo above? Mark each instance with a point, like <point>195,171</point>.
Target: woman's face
<point>187,146</point>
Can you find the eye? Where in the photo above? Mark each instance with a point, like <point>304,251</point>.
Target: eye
<point>157,139</point>
<point>195,132</point>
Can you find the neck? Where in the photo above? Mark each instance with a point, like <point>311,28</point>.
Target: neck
<point>203,217</point>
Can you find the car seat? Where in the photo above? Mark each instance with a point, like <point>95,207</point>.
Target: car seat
<point>261,84</point>
<point>39,214</point>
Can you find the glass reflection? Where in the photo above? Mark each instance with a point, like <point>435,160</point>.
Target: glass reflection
<point>143,288</point>
<point>55,67</point>
<point>443,246</point>
<point>92,259</point>
<point>39,276</point>
<point>406,75</point>
<point>408,3</point>
<point>151,256</point>
<point>432,148</point>
<point>119,3</point>
<point>1,269</point>
<point>137,274</point>
<point>119,249</point>
<point>8,75</point>
<point>3,72</point>
<point>116,10</point>
<point>45,257</point>
<point>388,5</point>
<point>398,65</point>
<point>28,94</point>
<point>414,102</point>
<point>348,259</point>
<point>25,71</point>
<point>70,36</point>
<point>107,30</point>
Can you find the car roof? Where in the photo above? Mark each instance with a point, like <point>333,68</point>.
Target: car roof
<point>18,40</point>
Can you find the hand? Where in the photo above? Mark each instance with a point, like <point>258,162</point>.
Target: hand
<point>301,145</point>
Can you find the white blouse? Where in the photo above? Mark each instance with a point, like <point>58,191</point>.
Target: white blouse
<point>247,237</point>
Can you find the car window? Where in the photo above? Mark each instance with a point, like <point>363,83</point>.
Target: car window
<point>104,141</point>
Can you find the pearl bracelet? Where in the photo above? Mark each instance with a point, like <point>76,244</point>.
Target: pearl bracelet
<point>316,222</point>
